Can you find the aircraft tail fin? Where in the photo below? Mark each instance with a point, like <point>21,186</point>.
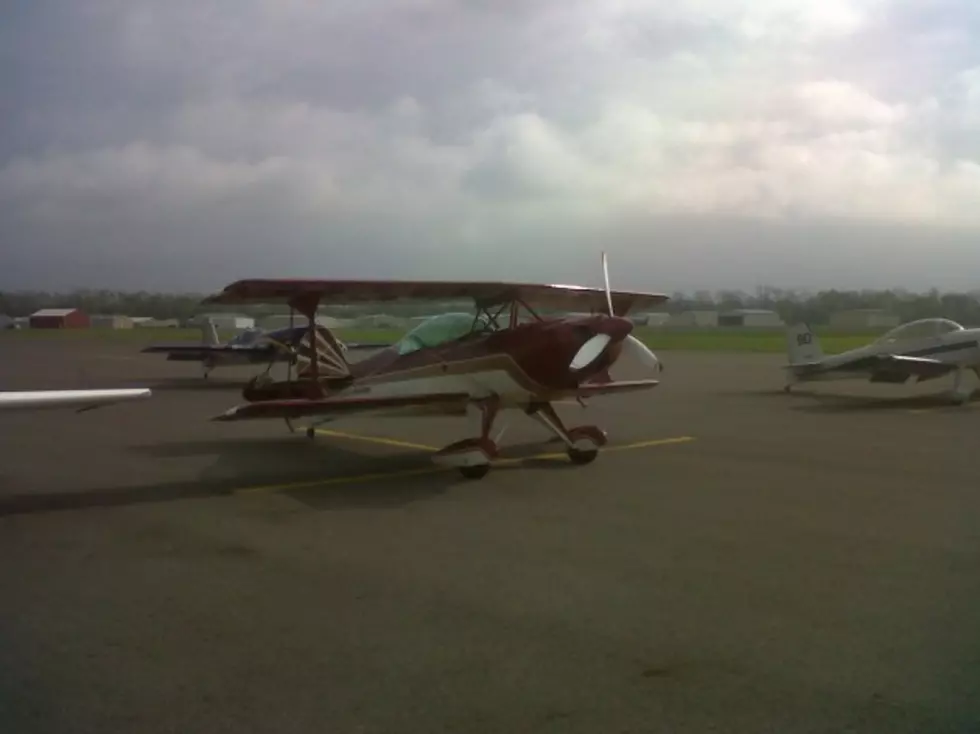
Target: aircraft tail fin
<point>209,334</point>
<point>331,355</point>
<point>802,345</point>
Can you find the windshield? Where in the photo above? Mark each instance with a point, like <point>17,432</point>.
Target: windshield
<point>246,337</point>
<point>441,329</point>
<point>921,329</point>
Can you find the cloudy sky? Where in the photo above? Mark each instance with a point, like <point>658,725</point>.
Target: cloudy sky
<point>703,143</point>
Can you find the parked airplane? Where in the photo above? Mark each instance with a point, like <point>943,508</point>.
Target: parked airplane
<point>81,399</point>
<point>457,360</point>
<point>252,346</point>
<point>916,351</point>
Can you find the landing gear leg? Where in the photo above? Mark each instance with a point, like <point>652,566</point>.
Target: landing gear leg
<point>961,393</point>
<point>472,456</point>
<point>582,442</point>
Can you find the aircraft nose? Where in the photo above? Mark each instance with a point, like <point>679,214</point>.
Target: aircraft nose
<point>606,337</point>
<point>616,327</point>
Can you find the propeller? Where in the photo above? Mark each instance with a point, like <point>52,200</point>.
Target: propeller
<point>639,351</point>
<point>593,348</point>
<point>605,276</point>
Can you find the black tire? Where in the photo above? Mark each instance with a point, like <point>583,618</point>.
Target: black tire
<point>311,433</point>
<point>582,456</point>
<point>477,471</point>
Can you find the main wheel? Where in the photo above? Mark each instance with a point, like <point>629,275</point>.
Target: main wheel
<point>476,471</point>
<point>582,456</point>
<point>311,433</point>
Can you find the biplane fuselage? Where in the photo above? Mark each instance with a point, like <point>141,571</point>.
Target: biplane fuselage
<point>517,367</point>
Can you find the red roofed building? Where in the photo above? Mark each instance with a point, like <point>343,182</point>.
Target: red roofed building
<point>59,318</point>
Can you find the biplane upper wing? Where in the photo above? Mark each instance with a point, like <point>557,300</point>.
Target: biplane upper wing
<point>299,408</point>
<point>305,295</point>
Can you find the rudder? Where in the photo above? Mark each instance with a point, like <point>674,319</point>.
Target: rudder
<point>209,334</point>
<point>802,345</point>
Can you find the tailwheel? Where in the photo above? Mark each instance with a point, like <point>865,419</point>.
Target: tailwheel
<point>582,456</point>
<point>475,471</point>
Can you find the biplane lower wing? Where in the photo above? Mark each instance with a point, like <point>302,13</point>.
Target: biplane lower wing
<point>455,402</point>
<point>590,390</point>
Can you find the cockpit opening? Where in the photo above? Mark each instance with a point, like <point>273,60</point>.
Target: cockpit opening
<point>248,336</point>
<point>443,329</point>
<point>920,329</point>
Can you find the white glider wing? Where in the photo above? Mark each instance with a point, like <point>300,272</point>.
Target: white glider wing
<point>81,399</point>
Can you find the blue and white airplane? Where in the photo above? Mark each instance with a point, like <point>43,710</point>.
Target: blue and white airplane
<point>252,346</point>
<point>913,352</point>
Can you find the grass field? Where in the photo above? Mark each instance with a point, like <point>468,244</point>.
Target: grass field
<point>703,340</point>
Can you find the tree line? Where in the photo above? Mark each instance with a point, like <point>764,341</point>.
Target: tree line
<point>815,308</point>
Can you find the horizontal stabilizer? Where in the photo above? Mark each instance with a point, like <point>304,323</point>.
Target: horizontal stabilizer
<point>205,349</point>
<point>366,345</point>
<point>339,406</point>
<point>801,365</point>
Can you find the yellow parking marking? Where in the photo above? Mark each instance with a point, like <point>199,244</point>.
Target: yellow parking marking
<point>361,478</point>
<point>350,479</point>
<point>648,444</point>
<point>381,440</point>
<point>623,447</point>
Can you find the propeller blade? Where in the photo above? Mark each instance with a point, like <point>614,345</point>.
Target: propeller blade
<point>642,353</point>
<point>605,275</point>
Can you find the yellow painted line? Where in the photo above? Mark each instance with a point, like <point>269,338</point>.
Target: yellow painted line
<point>361,478</point>
<point>380,440</point>
<point>623,447</point>
<point>648,444</point>
<point>351,479</point>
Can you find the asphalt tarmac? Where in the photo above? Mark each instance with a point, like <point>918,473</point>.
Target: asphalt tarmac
<point>740,560</point>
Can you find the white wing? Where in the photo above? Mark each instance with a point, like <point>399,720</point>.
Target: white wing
<point>82,399</point>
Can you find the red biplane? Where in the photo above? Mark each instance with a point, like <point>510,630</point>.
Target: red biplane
<point>503,356</point>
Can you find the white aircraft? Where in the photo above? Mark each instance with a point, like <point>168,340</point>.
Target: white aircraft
<point>915,351</point>
<point>81,399</point>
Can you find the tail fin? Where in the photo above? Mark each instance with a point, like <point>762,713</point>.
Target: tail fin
<point>209,334</point>
<point>331,355</point>
<point>802,345</point>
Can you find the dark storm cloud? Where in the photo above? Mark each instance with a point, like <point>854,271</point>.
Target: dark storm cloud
<point>190,142</point>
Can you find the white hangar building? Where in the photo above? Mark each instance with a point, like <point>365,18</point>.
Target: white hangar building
<point>864,318</point>
<point>758,318</point>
